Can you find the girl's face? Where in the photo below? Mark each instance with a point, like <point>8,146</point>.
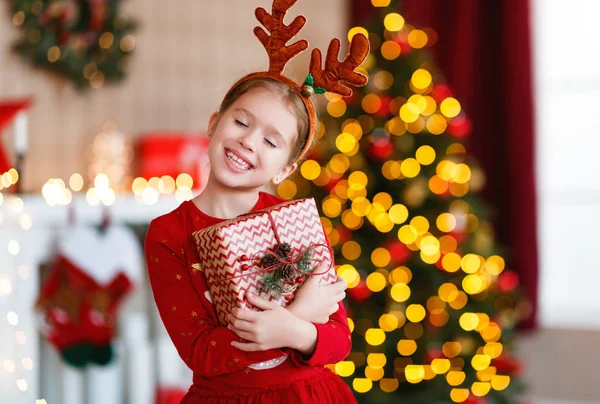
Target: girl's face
<point>251,142</point>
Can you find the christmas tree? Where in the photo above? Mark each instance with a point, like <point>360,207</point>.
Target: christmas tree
<point>431,305</point>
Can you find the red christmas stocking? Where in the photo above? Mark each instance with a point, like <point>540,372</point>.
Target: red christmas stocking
<point>62,302</point>
<point>101,321</point>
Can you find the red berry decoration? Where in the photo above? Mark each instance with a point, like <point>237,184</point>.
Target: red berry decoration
<point>244,257</point>
<point>288,298</point>
<point>300,279</point>
<point>245,267</point>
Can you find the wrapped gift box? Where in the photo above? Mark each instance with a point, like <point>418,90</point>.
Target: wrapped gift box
<point>231,252</point>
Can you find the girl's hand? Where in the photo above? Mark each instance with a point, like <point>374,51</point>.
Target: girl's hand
<point>315,303</point>
<point>273,327</point>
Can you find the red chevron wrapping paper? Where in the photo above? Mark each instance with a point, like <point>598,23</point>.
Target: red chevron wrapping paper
<point>221,247</point>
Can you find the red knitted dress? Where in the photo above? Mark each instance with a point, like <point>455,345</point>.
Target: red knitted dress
<point>221,372</point>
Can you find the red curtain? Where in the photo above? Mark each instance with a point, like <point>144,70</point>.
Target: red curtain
<point>484,50</point>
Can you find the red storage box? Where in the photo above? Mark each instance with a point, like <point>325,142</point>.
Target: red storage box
<point>173,153</point>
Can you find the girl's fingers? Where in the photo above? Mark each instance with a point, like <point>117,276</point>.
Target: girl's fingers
<point>244,314</point>
<point>333,309</point>
<point>246,346</point>
<point>240,333</point>
<point>240,324</point>
<point>260,303</point>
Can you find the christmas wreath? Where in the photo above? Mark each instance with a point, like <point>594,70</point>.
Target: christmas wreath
<point>86,41</point>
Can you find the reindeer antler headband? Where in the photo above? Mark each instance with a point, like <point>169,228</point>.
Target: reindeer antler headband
<point>318,80</point>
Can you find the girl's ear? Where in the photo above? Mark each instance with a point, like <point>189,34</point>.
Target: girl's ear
<point>213,121</point>
<point>284,173</point>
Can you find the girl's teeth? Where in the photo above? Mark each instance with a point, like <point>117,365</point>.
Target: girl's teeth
<point>239,163</point>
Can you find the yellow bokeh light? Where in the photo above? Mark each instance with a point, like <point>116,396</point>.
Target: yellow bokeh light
<point>388,385</point>
<point>425,155</point>
<point>438,185</point>
<point>351,220</point>
<point>450,107</point>
<point>436,124</point>
<point>184,181</point>
<point>390,50</point>
<point>380,3</point>
<point>480,389</point>
<point>53,54</point>
<point>459,301</point>
<point>480,362</point>
<point>376,360</point>
<point>451,349</point>
<point>76,182</point>
<point>473,284</point>
<point>469,321</point>
<point>357,180</point>
<point>455,377</point>
<point>493,349</point>
<point>500,382</point>
<point>459,395</point>
<point>380,257</point>
<point>336,108</point>
<point>414,373</point>
<point>362,385</point>
<point>354,128</point>
<point>393,22</point>
<point>448,244</point>
<point>371,103</point>
<point>417,39</point>
<point>430,245</point>
<point>357,30</point>
<point>345,368</point>
<point>415,313</point>
<point>361,206</point>
<point>398,213</point>
<point>446,222</point>
<point>349,274</point>
<point>400,292</point>
<point>396,126</point>
<point>332,207</point>
<point>401,274</point>
<point>451,262</point>
<point>471,263</point>
<point>374,374</point>
<point>461,173</point>
<point>383,80</point>
<point>376,282</point>
<point>388,322</point>
<point>410,168</point>
<point>406,347</point>
<point>447,292</point>
<point>421,78</point>
<point>440,366</point>
<point>310,169</point>
<point>287,189</point>
<point>345,142</point>
<point>106,40</point>
<point>421,224</point>
<point>375,336</point>
<point>407,234</point>
<point>409,112</point>
<point>384,199</point>
<point>494,265</point>
<point>351,250</point>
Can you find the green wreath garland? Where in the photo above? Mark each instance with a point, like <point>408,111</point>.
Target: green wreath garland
<point>85,41</point>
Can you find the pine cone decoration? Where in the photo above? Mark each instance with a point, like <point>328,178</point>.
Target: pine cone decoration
<point>286,271</point>
<point>269,260</point>
<point>283,250</point>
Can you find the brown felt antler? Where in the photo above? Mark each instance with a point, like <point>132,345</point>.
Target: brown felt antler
<point>275,44</point>
<point>336,71</point>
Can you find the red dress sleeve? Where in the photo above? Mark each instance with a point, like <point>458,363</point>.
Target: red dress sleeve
<point>334,341</point>
<point>203,345</point>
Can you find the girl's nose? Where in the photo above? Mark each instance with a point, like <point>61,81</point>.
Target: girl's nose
<point>247,141</point>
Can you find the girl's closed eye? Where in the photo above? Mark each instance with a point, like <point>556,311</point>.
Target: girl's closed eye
<point>240,123</point>
<point>271,144</point>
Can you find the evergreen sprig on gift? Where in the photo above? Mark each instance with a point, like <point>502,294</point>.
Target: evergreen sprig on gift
<point>273,282</point>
